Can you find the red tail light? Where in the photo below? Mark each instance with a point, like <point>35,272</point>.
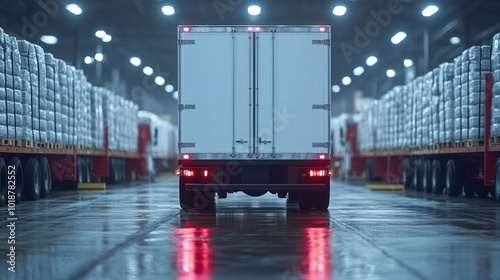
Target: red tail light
<point>205,173</point>
<point>318,173</point>
<point>188,173</point>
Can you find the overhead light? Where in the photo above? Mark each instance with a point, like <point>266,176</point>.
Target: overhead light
<point>74,9</point>
<point>175,95</point>
<point>135,61</point>
<point>160,81</point>
<point>398,38</point>
<point>430,10</point>
<point>391,73</point>
<point>336,88</point>
<point>455,40</point>
<point>99,57</point>
<point>100,34</point>
<point>358,71</point>
<point>254,10</point>
<point>408,62</point>
<point>372,60</point>
<point>339,10</point>
<point>49,39</point>
<point>168,10</point>
<point>88,60</point>
<point>346,80</point>
<point>169,88</point>
<point>147,71</point>
<point>107,38</point>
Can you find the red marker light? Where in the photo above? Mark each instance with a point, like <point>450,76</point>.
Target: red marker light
<point>185,29</point>
<point>205,173</point>
<point>322,157</point>
<point>322,29</point>
<point>185,157</point>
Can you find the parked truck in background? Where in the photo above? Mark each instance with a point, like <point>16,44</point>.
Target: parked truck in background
<point>254,113</point>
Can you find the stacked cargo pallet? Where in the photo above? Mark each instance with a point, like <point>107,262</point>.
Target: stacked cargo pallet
<point>445,105</point>
<point>45,100</point>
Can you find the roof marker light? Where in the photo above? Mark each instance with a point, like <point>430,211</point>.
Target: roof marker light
<point>322,29</point>
<point>185,157</point>
<point>322,157</point>
<point>250,28</point>
<point>185,29</point>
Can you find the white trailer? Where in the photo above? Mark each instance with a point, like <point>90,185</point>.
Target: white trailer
<point>254,113</point>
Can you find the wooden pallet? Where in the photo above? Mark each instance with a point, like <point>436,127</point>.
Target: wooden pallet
<point>446,145</point>
<point>50,145</point>
<point>474,143</point>
<point>459,144</point>
<point>495,140</point>
<point>24,143</point>
<point>41,145</point>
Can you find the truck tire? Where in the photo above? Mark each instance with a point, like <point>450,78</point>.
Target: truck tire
<point>323,199</point>
<point>417,178</point>
<point>437,180</point>
<point>32,184</point>
<point>496,191</point>
<point>46,178</point>
<point>427,176</point>
<point>407,173</point>
<point>195,200</point>
<point>19,177</point>
<point>306,200</point>
<point>3,182</point>
<point>453,187</point>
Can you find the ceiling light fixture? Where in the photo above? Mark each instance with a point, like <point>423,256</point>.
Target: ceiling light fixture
<point>339,10</point>
<point>398,38</point>
<point>358,71</point>
<point>391,73</point>
<point>135,61</point>
<point>49,39</point>
<point>346,80</point>
<point>148,71</point>
<point>254,10</point>
<point>168,10</point>
<point>74,9</point>
<point>372,60</point>
<point>408,63</point>
<point>430,10</point>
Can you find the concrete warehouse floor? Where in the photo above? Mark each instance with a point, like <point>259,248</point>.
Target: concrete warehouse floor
<point>137,231</point>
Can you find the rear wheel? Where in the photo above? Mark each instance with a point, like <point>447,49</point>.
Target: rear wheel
<point>32,183</point>
<point>453,187</point>
<point>426,176</point>
<point>197,200</point>
<point>323,198</point>
<point>437,181</point>
<point>19,178</point>
<point>305,200</point>
<point>3,182</point>
<point>46,178</point>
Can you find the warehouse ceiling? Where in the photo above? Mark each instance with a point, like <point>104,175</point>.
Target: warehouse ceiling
<point>139,28</point>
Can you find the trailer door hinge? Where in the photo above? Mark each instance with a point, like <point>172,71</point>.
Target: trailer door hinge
<point>321,42</point>
<point>321,145</point>
<point>186,145</point>
<point>321,107</point>
<point>186,107</point>
<point>186,42</point>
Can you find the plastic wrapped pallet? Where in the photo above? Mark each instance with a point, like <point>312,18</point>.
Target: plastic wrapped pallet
<point>42,93</point>
<point>479,65</point>
<point>495,67</point>
<point>70,70</point>
<point>13,86</point>
<point>457,97</point>
<point>3,93</point>
<point>57,104</point>
<point>35,92</point>
<point>64,94</point>
<point>26,90</point>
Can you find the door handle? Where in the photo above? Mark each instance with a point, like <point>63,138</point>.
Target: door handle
<point>241,141</point>
<point>263,141</point>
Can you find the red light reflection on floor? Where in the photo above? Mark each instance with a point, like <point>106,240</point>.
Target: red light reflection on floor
<point>317,260</point>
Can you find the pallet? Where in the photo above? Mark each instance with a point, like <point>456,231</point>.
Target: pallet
<point>459,144</point>
<point>475,143</point>
<point>495,140</point>
<point>24,143</point>
<point>50,145</point>
<point>446,145</point>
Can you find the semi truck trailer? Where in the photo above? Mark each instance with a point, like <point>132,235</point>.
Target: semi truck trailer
<point>254,113</point>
